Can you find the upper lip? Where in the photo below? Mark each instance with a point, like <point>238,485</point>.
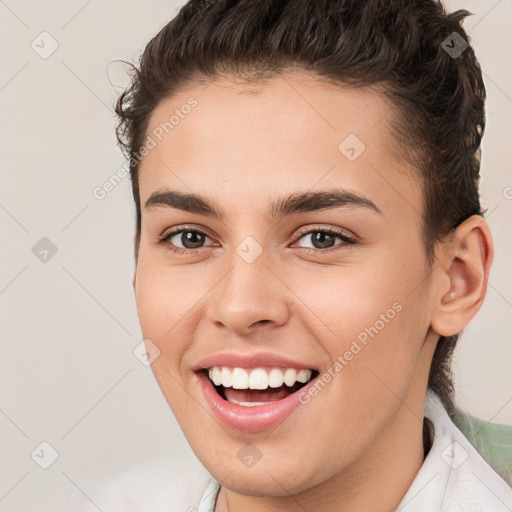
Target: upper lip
<point>253,360</point>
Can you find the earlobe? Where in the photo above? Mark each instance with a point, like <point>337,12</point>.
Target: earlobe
<point>466,263</point>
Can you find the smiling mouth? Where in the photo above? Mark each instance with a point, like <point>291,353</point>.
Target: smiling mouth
<point>258,386</point>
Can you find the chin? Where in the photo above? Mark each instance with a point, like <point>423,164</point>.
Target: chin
<point>261,481</point>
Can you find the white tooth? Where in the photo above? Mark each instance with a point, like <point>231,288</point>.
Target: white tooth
<point>227,377</point>
<point>240,379</point>
<point>258,379</point>
<point>275,378</point>
<point>246,404</point>
<point>303,375</point>
<point>216,376</point>
<point>290,376</point>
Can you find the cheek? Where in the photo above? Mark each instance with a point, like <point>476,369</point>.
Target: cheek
<point>355,301</point>
<point>162,303</point>
<point>164,298</point>
<point>372,320</point>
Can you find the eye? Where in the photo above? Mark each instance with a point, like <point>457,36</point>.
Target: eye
<point>323,239</point>
<point>185,240</point>
<point>190,240</point>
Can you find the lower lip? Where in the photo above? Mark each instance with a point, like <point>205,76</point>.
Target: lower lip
<point>250,419</point>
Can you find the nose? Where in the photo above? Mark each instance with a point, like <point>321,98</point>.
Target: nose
<point>249,297</point>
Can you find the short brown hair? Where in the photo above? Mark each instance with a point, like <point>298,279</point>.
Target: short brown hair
<point>400,46</point>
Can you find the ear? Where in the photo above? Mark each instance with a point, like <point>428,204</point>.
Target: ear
<point>465,261</point>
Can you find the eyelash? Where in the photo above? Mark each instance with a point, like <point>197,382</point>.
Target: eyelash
<point>347,240</point>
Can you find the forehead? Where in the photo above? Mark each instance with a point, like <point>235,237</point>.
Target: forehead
<point>287,134</point>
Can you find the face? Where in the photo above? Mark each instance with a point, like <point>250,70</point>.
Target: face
<point>281,279</point>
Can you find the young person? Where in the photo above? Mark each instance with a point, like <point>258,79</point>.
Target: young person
<point>309,245</point>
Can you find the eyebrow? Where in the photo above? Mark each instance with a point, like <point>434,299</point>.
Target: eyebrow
<point>299,202</point>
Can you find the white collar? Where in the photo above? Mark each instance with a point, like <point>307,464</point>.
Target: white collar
<point>453,477</point>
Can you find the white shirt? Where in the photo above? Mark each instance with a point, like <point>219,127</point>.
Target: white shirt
<point>453,478</point>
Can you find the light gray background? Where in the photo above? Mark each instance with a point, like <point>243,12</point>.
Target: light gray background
<point>68,326</point>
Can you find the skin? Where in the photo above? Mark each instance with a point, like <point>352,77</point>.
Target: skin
<point>244,146</point>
